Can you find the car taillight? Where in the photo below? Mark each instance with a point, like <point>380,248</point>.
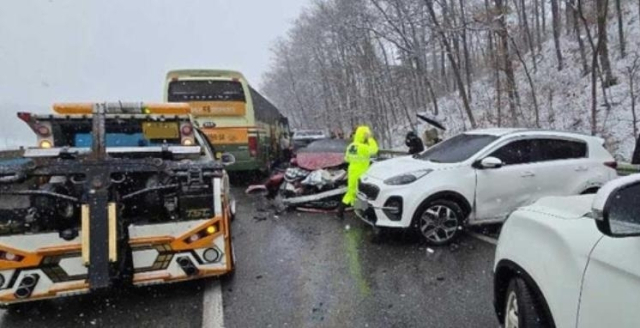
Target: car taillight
<point>611,164</point>
<point>253,146</point>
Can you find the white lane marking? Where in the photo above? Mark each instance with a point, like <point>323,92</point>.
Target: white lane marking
<point>484,238</point>
<point>212,312</point>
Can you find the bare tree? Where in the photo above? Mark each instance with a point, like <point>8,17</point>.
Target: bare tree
<point>602,8</point>
<point>506,62</point>
<point>454,64</point>
<point>536,110</point>
<point>576,28</point>
<point>555,12</point>
<point>620,29</point>
<point>632,71</point>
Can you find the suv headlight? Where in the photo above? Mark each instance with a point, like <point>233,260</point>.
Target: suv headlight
<point>407,178</point>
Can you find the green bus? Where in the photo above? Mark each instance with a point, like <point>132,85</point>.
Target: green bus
<point>233,115</point>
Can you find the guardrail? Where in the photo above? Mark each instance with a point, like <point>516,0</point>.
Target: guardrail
<point>627,169</point>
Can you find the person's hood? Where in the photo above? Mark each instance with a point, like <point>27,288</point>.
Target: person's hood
<point>361,134</point>
<point>406,164</point>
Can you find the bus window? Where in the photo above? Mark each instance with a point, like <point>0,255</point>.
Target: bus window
<point>205,90</point>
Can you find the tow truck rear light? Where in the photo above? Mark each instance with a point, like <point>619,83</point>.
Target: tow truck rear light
<point>43,130</point>
<point>45,144</point>
<point>124,108</point>
<point>8,256</point>
<point>253,146</point>
<point>210,230</point>
<point>26,117</point>
<point>187,129</point>
<point>611,164</point>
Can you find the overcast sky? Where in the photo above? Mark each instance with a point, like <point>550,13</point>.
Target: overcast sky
<point>88,50</point>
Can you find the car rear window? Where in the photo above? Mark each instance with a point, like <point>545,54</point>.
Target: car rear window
<point>556,149</point>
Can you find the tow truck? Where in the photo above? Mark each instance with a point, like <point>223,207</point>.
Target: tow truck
<point>115,194</point>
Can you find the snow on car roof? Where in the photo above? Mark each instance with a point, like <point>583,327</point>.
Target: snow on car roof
<point>500,132</point>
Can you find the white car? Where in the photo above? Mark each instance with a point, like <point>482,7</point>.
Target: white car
<point>572,261</point>
<point>480,177</point>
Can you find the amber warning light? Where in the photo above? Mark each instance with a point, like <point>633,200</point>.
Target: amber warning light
<point>124,108</point>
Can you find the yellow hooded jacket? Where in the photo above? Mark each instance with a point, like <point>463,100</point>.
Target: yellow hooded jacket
<point>358,156</point>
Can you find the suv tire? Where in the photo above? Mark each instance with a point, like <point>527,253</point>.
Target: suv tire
<point>439,221</point>
<point>522,309</point>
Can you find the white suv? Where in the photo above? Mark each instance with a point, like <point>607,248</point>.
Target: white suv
<point>480,177</point>
<point>572,261</point>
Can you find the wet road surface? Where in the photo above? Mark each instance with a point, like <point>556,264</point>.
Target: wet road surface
<point>307,270</point>
<point>304,270</point>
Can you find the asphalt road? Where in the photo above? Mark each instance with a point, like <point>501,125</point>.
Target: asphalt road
<point>304,270</point>
<point>307,270</point>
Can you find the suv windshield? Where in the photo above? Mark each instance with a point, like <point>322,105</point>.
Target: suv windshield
<point>457,149</point>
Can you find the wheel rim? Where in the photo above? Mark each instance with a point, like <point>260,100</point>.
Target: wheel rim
<point>511,312</point>
<point>438,223</point>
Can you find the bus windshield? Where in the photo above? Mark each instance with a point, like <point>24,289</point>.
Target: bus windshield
<point>205,90</point>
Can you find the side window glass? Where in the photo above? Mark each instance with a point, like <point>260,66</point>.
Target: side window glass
<point>556,149</point>
<point>517,152</point>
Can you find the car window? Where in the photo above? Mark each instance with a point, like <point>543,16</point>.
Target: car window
<point>556,149</point>
<point>516,152</point>
<point>457,149</point>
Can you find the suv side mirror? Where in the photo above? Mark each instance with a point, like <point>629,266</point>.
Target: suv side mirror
<point>488,163</point>
<point>616,207</point>
<point>227,159</point>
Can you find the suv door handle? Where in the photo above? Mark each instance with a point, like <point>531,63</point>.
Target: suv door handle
<point>582,168</point>
<point>527,174</point>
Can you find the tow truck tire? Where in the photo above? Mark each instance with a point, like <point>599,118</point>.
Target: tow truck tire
<point>522,307</point>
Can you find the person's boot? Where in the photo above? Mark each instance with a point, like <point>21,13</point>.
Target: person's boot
<point>340,213</point>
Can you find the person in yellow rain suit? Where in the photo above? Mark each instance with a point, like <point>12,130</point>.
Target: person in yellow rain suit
<point>358,156</point>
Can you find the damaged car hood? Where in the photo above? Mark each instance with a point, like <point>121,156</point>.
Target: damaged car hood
<point>317,161</point>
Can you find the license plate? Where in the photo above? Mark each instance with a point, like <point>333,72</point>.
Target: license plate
<point>361,203</point>
<point>160,130</point>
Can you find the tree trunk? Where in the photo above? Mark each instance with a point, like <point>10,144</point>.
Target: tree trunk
<point>527,31</point>
<point>633,105</point>
<point>536,5</point>
<point>555,12</point>
<point>620,29</point>
<point>536,110</point>
<point>506,61</point>
<point>543,14</point>
<point>602,8</point>
<point>576,30</point>
<point>465,47</point>
<point>454,64</point>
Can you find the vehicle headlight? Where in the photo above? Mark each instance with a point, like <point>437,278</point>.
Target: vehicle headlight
<point>407,178</point>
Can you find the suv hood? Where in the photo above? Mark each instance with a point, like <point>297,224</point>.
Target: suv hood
<point>567,207</point>
<point>396,166</point>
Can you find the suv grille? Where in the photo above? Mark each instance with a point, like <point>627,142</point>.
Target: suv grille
<point>369,190</point>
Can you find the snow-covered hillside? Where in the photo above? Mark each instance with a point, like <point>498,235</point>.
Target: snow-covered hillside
<point>564,97</point>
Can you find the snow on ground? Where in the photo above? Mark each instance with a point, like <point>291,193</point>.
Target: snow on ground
<point>568,90</point>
